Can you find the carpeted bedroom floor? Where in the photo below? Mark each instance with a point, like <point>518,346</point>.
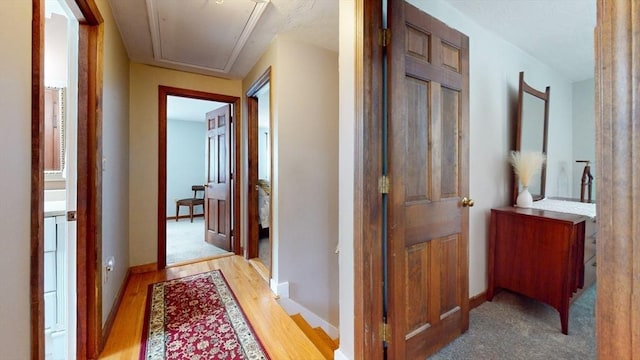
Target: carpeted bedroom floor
<point>515,327</point>
<point>185,241</point>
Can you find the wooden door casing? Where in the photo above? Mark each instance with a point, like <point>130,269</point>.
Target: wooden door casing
<point>252,213</point>
<point>428,166</point>
<point>217,208</point>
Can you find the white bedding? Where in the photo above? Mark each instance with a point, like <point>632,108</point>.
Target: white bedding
<point>264,208</point>
<point>571,207</point>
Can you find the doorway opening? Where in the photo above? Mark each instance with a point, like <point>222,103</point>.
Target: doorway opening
<point>186,177</point>
<point>197,186</point>
<point>77,304</point>
<point>259,145</point>
<point>60,121</point>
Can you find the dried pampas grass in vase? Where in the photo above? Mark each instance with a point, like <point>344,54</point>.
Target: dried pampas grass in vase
<point>525,165</point>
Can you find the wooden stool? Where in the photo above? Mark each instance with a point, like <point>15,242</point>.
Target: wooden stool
<point>191,202</point>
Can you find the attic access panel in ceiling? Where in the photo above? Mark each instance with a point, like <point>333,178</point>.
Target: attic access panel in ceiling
<point>206,34</point>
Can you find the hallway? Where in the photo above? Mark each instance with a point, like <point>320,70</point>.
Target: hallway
<point>278,333</point>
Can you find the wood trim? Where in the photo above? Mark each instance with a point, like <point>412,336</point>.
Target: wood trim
<point>477,300</point>
<point>108,325</point>
<point>162,177</point>
<point>251,250</point>
<point>236,178</point>
<point>144,268</point>
<point>90,12</point>
<point>368,167</point>
<point>617,94</point>
<point>163,92</point>
<point>89,193</point>
<point>37,182</point>
<point>88,197</point>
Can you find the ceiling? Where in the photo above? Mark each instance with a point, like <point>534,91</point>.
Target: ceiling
<point>225,38</point>
<point>557,32</point>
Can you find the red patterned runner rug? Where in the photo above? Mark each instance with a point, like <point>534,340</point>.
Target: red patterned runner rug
<point>197,318</point>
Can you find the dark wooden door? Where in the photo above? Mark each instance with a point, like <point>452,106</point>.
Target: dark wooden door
<point>217,205</point>
<point>428,154</point>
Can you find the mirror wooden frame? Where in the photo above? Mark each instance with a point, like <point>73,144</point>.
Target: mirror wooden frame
<point>544,96</point>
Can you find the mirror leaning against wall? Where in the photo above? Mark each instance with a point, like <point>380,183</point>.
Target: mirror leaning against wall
<point>532,125</point>
<point>54,133</point>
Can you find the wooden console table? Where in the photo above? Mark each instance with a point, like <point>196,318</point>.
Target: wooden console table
<point>539,254</point>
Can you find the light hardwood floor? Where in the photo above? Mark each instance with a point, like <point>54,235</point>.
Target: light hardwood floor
<point>278,333</point>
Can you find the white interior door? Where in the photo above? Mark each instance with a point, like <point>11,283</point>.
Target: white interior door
<point>71,183</point>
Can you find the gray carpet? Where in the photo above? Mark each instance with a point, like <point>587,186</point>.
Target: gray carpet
<point>515,327</point>
<point>185,241</point>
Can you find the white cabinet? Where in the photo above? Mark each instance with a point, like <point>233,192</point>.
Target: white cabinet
<point>55,294</point>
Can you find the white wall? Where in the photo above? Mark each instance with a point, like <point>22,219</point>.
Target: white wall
<point>347,141</point>
<point>186,142</point>
<point>15,191</point>
<point>56,51</point>
<point>584,132</point>
<point>115,152</point>
<point>143,146</point>
<point>494,68</point>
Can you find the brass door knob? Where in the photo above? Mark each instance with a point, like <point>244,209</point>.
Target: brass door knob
<point>467,202</point>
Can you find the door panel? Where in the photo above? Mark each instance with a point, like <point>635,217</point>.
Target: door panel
<point>218,192</point>
<point>428,162</point>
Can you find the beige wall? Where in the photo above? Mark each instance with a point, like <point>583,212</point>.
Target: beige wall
<point>307,137</point>
<point>115,152</point>
<point>143,148</point>
<point>15,162</point>
<point>304,90</point>
<point>268,59</point>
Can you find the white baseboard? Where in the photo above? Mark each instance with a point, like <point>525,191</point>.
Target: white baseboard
<point>292,307</point>
<point>338,355</point>
<point>281,289</point>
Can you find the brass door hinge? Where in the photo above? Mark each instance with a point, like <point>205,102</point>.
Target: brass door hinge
<point>383,184</point>
<point>385,332</point>
<point>385,37</point>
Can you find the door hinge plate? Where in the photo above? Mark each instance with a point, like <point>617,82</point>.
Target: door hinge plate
<point>72,215</point>
<point>383,184</point>
<point>385,332</point>
<point>385,37</point>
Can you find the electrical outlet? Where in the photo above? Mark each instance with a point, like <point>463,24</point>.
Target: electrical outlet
<point>108,267</point>
<point>110,263</point>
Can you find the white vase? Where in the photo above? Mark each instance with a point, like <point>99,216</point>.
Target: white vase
<point>524,199</point>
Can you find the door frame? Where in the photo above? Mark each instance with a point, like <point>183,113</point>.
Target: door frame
<point>163,92</point>
<point>367,232</point>
<point>251,213</point>
<point>89,187</point>
<point>617,81</point>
